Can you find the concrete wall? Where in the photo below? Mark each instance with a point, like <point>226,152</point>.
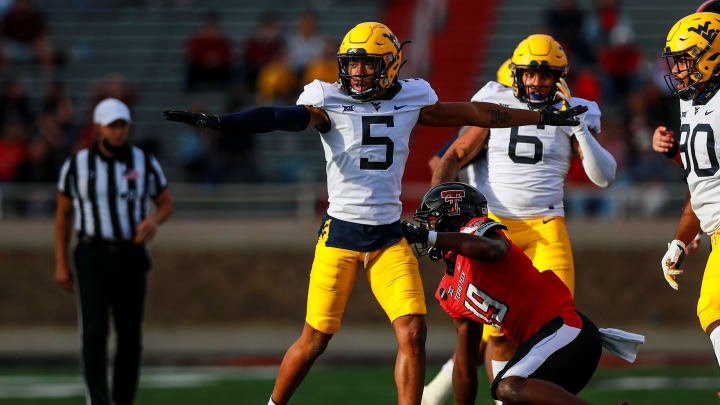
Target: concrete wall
<point>255,272</point>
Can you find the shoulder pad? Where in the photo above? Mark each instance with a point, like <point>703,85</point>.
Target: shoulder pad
<point>416,92</point>
<point>312,95</point>
<point>482,226</point>
<point>490,89</point>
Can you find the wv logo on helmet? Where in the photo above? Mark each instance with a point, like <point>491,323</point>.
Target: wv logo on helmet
<point>453,197</point>
<point>703,31</point>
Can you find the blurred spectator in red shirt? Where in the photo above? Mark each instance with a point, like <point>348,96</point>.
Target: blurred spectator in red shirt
<point>305,45</point>
<point>606,18</point>
<point>209,57</point>
<point>24,30</point>
<point>586,85</point>
<point>56,124</point>
<point>12,150</point>
<point>621,62</point>
<point>261,48</point>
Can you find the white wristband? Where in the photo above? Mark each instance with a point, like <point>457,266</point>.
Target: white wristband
<point>432,237</point>
<point>678,243</point>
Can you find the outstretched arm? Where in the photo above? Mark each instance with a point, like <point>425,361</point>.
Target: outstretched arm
<point>255,120</point>
<point>490,115</point>
<point>462,151</point>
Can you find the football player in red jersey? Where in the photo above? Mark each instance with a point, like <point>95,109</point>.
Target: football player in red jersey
<point>490,281</point>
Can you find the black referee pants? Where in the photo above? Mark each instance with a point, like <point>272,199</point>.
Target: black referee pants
<point>111,278</point>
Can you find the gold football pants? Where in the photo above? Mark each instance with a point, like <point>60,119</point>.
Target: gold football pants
<point>392,273</point>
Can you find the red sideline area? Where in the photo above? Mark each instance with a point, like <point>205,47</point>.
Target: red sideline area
<point>457,51</point>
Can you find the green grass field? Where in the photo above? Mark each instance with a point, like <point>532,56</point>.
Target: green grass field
<point>356,384</point>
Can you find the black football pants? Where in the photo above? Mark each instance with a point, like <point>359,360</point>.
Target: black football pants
<point>111,278</point>
<point>570,366</point>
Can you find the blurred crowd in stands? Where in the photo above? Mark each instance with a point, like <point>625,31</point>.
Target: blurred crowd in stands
<point>607,66</point>
<point>271,65</point>
<point>268,67</point>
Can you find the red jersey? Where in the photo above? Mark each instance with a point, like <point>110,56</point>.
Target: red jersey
<point>511,295</point>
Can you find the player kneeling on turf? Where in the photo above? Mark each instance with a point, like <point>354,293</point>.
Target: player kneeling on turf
<point>490,281</point>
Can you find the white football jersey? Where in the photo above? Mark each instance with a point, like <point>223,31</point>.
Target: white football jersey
<point>700,151</point>
<point>366,148</point>
<point>524,174</point>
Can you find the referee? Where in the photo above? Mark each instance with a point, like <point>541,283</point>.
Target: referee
<point>106,189</point>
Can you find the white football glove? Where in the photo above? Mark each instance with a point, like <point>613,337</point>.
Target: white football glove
<point>671,262</point>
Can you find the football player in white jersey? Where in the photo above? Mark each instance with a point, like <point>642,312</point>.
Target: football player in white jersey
<point>664,141</point>
<point>524,173</point>
<point>365,121</point>
<point>692,50</point>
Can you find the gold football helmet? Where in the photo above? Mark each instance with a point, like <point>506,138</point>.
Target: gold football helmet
<point>504,74</point>
<point>538,52</point>
<point>374,42</point>
<point>692,53</point>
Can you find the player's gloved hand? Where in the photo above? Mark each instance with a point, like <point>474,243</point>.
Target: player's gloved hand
<point>563,93</point>
<point>414,233</point>
<point>671,262</point>
<point>565,118</point>
<point>195,119</point>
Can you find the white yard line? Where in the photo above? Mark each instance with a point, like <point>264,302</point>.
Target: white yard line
<point>30,386</point>
<point>37,386</point>
<point>653,383</point>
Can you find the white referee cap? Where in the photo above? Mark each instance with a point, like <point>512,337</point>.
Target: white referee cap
<point>109,110</point>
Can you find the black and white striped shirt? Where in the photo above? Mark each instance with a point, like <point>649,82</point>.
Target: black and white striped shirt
<point>110,196</point>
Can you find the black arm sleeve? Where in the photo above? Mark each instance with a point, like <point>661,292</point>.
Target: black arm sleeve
<point>266,119</point>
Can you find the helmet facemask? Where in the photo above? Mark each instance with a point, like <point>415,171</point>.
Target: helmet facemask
<point>688,62</point>
<point>379,75</point>
<point>346,79</point>
<point>522,93</point>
